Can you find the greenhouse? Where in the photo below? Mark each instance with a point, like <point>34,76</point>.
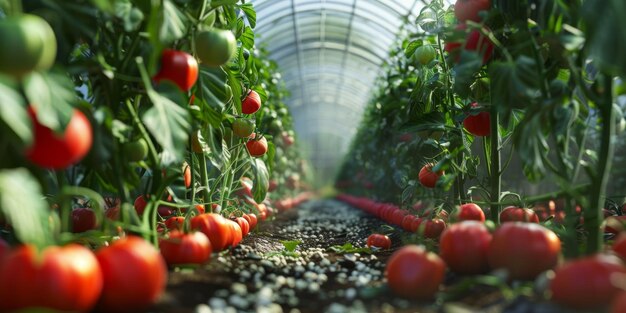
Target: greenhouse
<point>221,156</point>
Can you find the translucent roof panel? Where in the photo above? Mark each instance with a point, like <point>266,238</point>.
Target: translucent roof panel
<point>330,53</point>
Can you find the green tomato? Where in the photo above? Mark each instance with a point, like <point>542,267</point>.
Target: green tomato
<point>136,150</point>
<point>243,128</point>
<point>425,54</point>
<point>27,43</point>
<point>215,47</point>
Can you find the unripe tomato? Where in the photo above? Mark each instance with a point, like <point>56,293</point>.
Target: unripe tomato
<point>588,283</point>
<point>27,43</point>
<point>469,212</point>
<point>479,124</point>
<point>463,246</point>
<point>379,241</point>
<point>65,279</point>
<point>524,249</point>
<point>178,67</point>
<point>257,148</point>
<point>425,54</point>
<point>136,150</point>
<point>216,227</point>
<point>243,128</point>
<point>50,150</point>
<point>181,248</point>
<point>515,214</point>
<point>134,275</point>
<point>251,103</point>
<point>215,47</point>
<point>415,273</point>
<point>427,177</point>
<point>83,219</point>
<point>467,10</point>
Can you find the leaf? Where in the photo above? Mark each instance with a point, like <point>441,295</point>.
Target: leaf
<point>248,9</point>
<point>173,23</point>
<point>131,16</point>
<point>13,113</point>
<point>605,22</point>
<point>261,180</point>
<point>247,38</point>
<point>22,204</point>
<point>349,248</point>
<point>514,84</point>
<point>51,93</point>
<point>290,245</point>
<point>411,47</point>
<point>213,88</point>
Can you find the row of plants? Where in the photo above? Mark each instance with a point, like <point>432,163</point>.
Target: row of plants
<point>131,126</point>
<point>479,96</point>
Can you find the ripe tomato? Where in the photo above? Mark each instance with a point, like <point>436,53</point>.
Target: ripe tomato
<point>134,274</point>
<point>515,214</point>
<point>257,148</point>
<point>619,303</point>
<point>252,220</point>
<point>619,246</point>
<point>288,139</point>
<point>59,278</point>
<point>178,67</point>
<point>175,223</point>
<point>140,204</point>
<point>587,283</point>
<point>28,44</point>
<point>236,231</point>
<point>181,248</point>
<point>427,177</point>
<point>467,10</point>
<point>243,224</point>
<point>479,124</point>
<point>425,54</point>
<point>413,272</point>
<point>524,249</point>
<point>251,103</point>
<point>187,175</point>
<point>243,128</point>
<point>136,150</point>
<point>429,228</point>
<point>474,42</point>
<point>57,152</point>
<point>83,219</point>
<point>469,212</point>
<point>379,241</point>
<point>407,221</point>
<point>215,47</point>
<point>397,216</point>
<point>463,246</point>
<point>216,227</point>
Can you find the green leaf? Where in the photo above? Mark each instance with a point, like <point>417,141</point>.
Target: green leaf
<point>173,23</point>
<point>514,84</point>
<point>261,180</point>
<point>22,203</point>
<point>247,38</point>
<point>131,16</point>
<point>213,87</point>
<point>605,22</point>
<point>248,9</point>
<point>411,47</point>
<point>13,113</point>
<point>51,93</point>
<point>290,245</point>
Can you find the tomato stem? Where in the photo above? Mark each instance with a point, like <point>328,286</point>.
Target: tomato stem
<point>495,168</point>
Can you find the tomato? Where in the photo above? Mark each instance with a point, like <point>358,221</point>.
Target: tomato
<point>288,140</point>
<point>28,44</point>
<point>243,128</point>
<point>59,278</point>
<point>4,249</point>
<point>398,216</point>
<point>474,42</point>
<point>429,228</point>
<point>178,67</point>
<point>469,212</point>
<point>619,303</point>
<point>136,150</point>
<point>243,224</point>
<point>216,227</point>
<point>140,204</point>
<point>587,283</point>
<point>215,47</point>
<point>237,233</point>
<point>251,103</point>
<point>379,241</point>
<point>467,10</point>
<point>619,246</point>
<point>181,248</point>
<point>272,185</point>
<point>245,187</point>
<point>50,150</point>
<point>407,221</point>
<point>252,220</point>
<point>187,176</point>
<point>415,273</point>
<point>175,223</point>
<point>427,177</point>
<point>425,54</point>
<point>515,214</point>
<point>524,249</point>
<point>257,148</point>
<point>134,274</point>
<point>83,219</point>
<point>463,246</point>
<point>479,124</point>
<point>615,224</point>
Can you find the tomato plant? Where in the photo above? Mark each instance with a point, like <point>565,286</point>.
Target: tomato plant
<point>379,241</point>
<point>29,44</point>
<point>178,67</point>
<point>181,248</point>
<point>215,47</point>
<point>427,177</point>
<point>415,273</point>
<point>463,246</point>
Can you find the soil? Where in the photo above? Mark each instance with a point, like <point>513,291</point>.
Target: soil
<point>260,276</point>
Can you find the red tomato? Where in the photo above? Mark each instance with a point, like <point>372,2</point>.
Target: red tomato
<point>199,207</point>
<point>57,152</point>
<point>379,241</point>
<point>165,211</point>
<point>187,176</point>
<point>413,272</point>
<point>178,67</point>
<point>243,224</point>
<point>237,233</point>
<point>463,246</point>
<point>429,228</point>
<point>181,248</point>
<point>255,147</point>
<point>251,103</point>
<point>252,220</point>
<point>619,246</point>
<point>479,124</point>
<point>524,249</point>
<point>398,216</point>
<point>83,219</point>
<point>469,212</point>
<point>515,214</point>
<point>134,274</point>
<point>4,249</point>
<point>216,227</point>
<point>427,177</point>
<point>467,10</point>
<point>175,223</point>
<point>619,303</point>
<point>407,221</point>
<point>587,283</point>
<point>474,41</point>
<point>140,204</point>
<point>59,278</point>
